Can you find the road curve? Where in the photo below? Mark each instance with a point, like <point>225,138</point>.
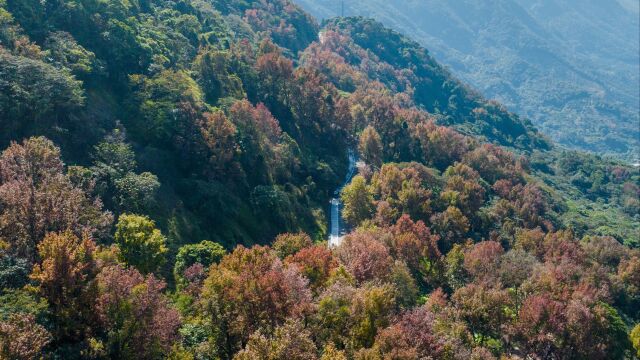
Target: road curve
<point>336,234</point>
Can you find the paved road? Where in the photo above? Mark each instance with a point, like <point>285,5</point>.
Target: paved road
<point>336,204</point>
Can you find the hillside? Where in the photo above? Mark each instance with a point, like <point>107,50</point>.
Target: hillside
<point>165,175</point>
<point>572,70</point>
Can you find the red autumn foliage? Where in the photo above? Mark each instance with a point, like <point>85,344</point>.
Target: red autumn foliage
<point>412,242</point>
<point>365,257</point>
<point>134,309</point>
<point>315,263</point>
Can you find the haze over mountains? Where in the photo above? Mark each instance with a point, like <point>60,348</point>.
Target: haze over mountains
<point>573,70</point>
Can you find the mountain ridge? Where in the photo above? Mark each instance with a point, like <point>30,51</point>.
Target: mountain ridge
<point>586,99</point>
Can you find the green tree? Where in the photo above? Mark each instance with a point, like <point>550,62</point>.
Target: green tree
<point>370,146</point>
<point>35,98</point>
<point>205,253</point>
<point>331,353</point>
<point>136,191</point>
<point>141,244</point>
<point>168,106</point>
<point>635,339</point>
<point>289,341</point>
<point>288,244</point>
<point>114,167</point>
<point>65,52</point>
<point>371,309</point>
<point>14,271</point>
<point>213,71</point>
<point>358,201</point>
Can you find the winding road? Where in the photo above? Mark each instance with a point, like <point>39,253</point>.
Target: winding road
<point>336,204</point>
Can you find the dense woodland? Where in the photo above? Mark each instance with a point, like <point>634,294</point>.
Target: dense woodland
<point>165,178</point>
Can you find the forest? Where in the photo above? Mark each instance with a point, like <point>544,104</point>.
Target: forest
<point>166,168</point>
<point>572,68</point>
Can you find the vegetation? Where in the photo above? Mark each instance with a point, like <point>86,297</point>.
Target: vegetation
<point>571,69</point>
<point>472,235</point>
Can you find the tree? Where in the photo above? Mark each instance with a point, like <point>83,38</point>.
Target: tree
<point>414,199</point>
<point>483,309</point>
<point>441,146</point>
<point>215,75</point>
<point>581,328</point>
<point>331,353</point>
<point>364,257</point>
<point>635,339</point>
<point>358,201</point>
<point>250,290</point>
<point>604,250</point>
<point>371,311</point>
<point>22,338</point>
<point>390,343</point>
<point>37,198</point>
<point>532,206</point>
<point>267,154</point>
<point>276,74</point>
<point>531,241</point>
<point>414,335</point>
<point>169,105</point>
<point>629,275</point>
<point>14,272</point>
<point>482,260</point>
<point>65,277</point>
<point>462,190</point>
<point>493,163</point>
<point>313,104</point>
<point>406,289</point>
<point>538,317</point>
<point>413,242</point>
<point>137,317</point>
<point>220,138</point>
<point>35,98</point>
<point>289,244</point>
<point>65,52</point>
<point>141,244</point>
<point>289,341</point>
<point>385,214</point>
<point>315,263</point>
<point>205,253</point>
<point>528,205</point>
<point>455,275</point>
<point>370,146</point>
<point>516,266</point>
<point>24,301</point>
<point>114,157</point>
<point>404,188</point>
<point>451,225</point>
<point>135,192</point>
<point>114,166</point>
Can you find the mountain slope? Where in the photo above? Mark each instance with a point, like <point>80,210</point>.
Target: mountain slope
<point>165,176</point>
<point>573,70</point>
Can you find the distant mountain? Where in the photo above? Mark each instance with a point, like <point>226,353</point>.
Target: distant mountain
<point>573,70</point>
